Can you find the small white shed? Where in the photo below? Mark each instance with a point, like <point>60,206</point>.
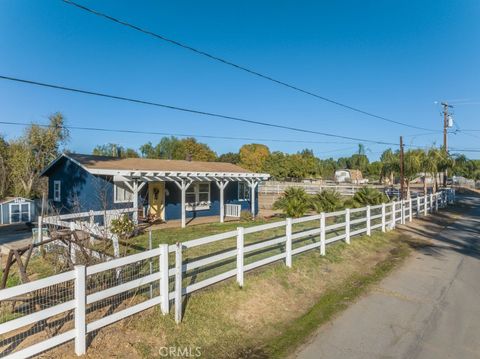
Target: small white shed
<point>17,210</point>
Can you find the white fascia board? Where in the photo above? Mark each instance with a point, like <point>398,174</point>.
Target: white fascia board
<point>174,175</point>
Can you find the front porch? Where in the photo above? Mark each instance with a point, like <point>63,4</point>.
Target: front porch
<point>191,197</point>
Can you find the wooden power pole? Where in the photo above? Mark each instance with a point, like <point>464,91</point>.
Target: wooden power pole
<point>446,125</point>
<point>402,174</point>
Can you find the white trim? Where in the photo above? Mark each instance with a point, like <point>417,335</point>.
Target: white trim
<point>196,191</point>
<point>125,189</point>
<point>59,198</point>
<point>245,186</point>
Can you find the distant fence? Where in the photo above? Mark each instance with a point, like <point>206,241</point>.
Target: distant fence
<point>277,187</point>
<point>70,305</point>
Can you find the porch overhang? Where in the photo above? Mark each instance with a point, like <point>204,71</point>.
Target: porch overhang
<point>135,180</point>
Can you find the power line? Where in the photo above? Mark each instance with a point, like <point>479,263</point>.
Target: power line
<point>239,67</point>
<point>99,129</point>
<point>184,109</point>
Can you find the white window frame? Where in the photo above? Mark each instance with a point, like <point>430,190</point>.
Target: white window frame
<point>125,189</point>
<point>245,196</point>
<point>19,204</point>
<point>197,205</point>
<point>57,197</point>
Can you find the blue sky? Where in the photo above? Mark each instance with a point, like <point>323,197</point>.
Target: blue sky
<point>393,58</point>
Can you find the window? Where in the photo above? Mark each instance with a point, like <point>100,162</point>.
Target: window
<point>57,190</point>
<point>19,212</point>
<point>197,196</point>
<point>122,193</point>
<point>243,191</point>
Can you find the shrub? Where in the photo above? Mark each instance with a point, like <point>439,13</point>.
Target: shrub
<point>294,202</point>
<point>326,201</point>
<point>122,226</point>
<point>246,216</point>
<point>369,196</point>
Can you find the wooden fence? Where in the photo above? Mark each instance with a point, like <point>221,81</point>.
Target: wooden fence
<point>134,283</point>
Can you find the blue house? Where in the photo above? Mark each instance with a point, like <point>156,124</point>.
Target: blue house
<point>163,189</point>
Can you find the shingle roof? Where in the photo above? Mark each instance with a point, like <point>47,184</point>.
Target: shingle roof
<point>145,164</point>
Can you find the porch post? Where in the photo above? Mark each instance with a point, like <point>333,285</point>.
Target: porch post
<point>184,190</point>
<point>253,184</point>
<point>135,201</point>
<point>183,186</point>
<point>221,184</point>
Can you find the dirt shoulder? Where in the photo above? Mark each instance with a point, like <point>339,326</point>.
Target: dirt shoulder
<point>277,309</point>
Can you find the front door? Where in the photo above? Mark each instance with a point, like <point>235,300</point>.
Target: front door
<point>156,199</point>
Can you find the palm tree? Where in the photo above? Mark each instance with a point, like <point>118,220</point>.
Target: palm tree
<point>294,202</point>
<point>369,196</point>
<point>326,201</point>
<point>390,164</point>
<point>412,165</point>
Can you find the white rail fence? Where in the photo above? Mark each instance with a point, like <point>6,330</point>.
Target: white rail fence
<point>94,223</point>
<point>72,305</point>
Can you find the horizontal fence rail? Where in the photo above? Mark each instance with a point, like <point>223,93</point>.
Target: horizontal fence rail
<point>86,299</point>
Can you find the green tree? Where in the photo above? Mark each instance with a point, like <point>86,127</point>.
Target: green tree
<point>31,153</point>
<point>253,156</point>
<point>4,184</point>
<point>229,157</point>
<point>390,165</point>
<point>115,150</point>
<point>413,160</point>
<point>191,149</point>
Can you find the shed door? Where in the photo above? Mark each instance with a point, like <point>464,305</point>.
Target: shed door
<point>19,212</point>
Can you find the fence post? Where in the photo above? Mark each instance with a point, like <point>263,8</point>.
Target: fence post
<point>150,261</point>
<point>383,217</point>
<point>73,253</point>
<point>39,233</point>
<point>347,225</point>
<point>418,206</point>
<point>322,233</point>
<point>178,282</point>
<point>91,223</point>
<point>394,215</point>
<point>425,207</point>
<point>410,212</point>
<point>288,243</point>
<point>369,221</point>
<point>164,279</point>
<point>431,202</point>
<point>80,310</point>
<point>240,245</point>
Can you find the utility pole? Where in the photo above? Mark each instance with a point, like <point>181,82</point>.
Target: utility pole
<point>446,125</point>
<point>402,174</point>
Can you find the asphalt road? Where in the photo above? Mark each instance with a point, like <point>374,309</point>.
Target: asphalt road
<point>429,308</point>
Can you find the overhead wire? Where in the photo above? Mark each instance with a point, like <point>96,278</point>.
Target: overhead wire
<point>239,67</point>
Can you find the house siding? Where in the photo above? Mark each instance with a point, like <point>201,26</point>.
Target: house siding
<point>80,190</point>
<point>173,208</point>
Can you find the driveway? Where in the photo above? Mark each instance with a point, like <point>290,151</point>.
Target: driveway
<point>429,308</point>
<point>14,234</point>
